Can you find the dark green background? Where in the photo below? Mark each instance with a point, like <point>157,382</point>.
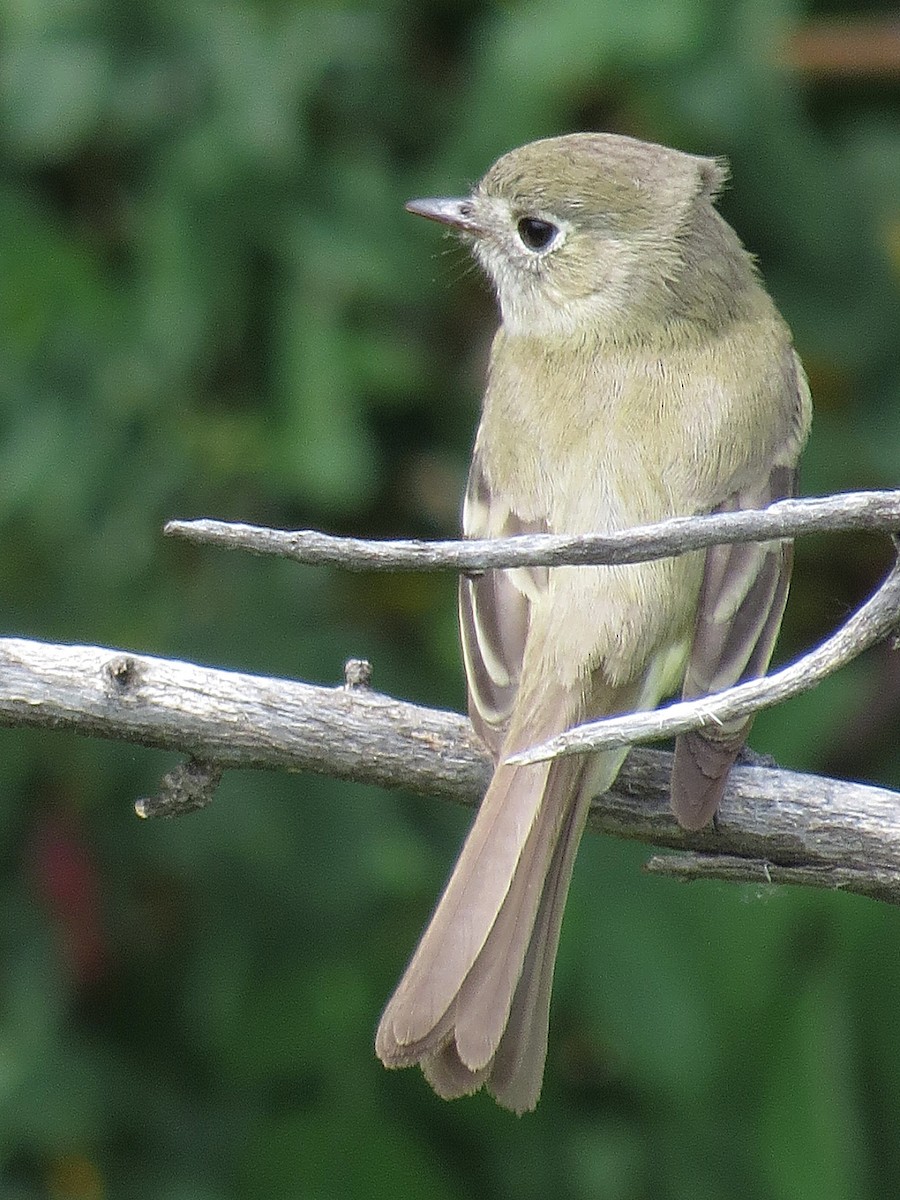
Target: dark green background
<point>212,303</point>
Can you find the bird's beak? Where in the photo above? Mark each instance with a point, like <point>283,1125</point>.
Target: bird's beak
<point>458,213</point>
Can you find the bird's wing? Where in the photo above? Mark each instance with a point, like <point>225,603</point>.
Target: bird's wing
<point>742,600</point>
<point>495,612</point>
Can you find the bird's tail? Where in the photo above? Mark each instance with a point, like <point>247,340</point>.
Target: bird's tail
<point>473,1006</point>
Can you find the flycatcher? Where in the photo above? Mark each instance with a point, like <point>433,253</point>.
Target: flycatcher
<point>640,371</point>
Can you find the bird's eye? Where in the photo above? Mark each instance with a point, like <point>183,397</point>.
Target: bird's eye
<point>535,233</point>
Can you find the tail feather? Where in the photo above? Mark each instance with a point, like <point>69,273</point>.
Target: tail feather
<point>492,1028</point>
<point>449,1076</point>
<point>486,994</point>
<point>518,1068</point>
<point>464,916</point>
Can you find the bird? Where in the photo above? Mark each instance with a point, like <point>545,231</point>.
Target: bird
<point>640,371</point>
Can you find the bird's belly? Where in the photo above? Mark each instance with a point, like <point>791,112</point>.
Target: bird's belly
<point>607,478</point>
<point>616,618</point>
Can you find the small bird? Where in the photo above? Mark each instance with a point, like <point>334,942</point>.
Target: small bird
<point>640,371</point>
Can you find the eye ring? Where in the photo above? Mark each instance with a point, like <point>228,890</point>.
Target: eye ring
<point>536,234</point>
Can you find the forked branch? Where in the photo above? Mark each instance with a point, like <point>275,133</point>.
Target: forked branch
<point>774,825</point>
<point>827,832</point>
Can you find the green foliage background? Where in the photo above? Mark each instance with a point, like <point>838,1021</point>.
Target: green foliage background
<point>212,303</point>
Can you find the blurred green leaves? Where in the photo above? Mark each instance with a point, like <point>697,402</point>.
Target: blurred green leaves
<point>212,303</point>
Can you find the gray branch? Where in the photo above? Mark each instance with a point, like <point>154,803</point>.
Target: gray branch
<point>798,828</point>
<point>785,519</point>
<point>872,623</point>
<point>774,825</point>
<point>879,883</point>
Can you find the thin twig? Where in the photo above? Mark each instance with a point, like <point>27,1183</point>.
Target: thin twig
<point>688,866</point>
<point>189,786</point>
<point>868,625</point>
<point>679,535</point>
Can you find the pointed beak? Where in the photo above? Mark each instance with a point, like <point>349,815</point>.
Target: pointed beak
<point>460,214</point>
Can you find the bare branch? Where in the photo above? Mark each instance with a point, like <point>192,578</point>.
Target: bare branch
<point>870,624</point>
<point>773,824</point>
<point>786,518</point>
<point>238,720</point>
<point>688,866</point>
<point>228,719</point>
<point>189,786</point>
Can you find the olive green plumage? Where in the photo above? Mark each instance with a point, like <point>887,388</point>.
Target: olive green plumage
<point>640,372</point>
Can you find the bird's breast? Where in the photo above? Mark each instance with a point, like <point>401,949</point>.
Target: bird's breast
<point>585,450</point>
<point>583,443</point>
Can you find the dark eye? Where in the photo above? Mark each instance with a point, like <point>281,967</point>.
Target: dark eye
<point>535,233</point>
